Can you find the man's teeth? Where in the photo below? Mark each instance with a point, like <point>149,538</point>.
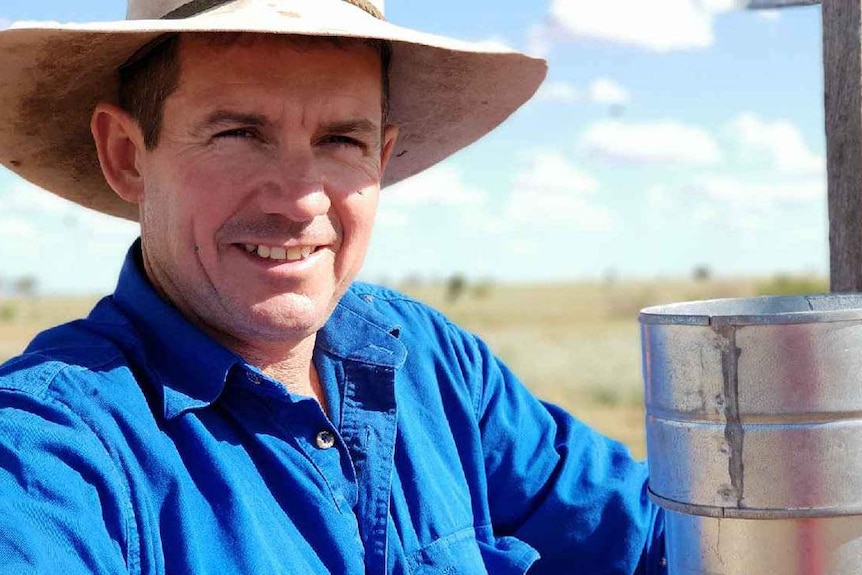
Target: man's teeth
<point>291,254</point>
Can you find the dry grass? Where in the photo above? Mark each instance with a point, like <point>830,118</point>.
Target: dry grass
<point>576,345</point>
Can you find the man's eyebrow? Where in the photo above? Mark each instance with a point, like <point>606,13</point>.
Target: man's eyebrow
<point>228,118</point>
<point>356,126</point>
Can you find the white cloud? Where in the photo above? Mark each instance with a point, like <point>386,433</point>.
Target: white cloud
<point>606,91</point>
<point>494,44</point>
<point>780,143</point>
<point>738,191</point>
<point>4,23</point>
<point>658,196</point>
<point>720,6</point>
<point>442,185</point>
<point>560,92</point>
<point>667,142</point>
<point>658,25</point>
<point>540,38</point>
<point>575,212</point>
<point>16,229</point>
<point>718,205</point>
<point>600,91</point>
<point>550,171</point>
<point>751,207</point>
<point>551,190</point>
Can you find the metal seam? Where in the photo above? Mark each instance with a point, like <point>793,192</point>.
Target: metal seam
<point>734,432</point>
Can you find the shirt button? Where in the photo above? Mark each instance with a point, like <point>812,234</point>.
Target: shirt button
<point>325,439</point>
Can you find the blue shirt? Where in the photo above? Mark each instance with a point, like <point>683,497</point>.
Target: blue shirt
<point>131,442</point>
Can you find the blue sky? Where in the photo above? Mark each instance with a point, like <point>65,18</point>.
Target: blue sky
<point>669,134</point>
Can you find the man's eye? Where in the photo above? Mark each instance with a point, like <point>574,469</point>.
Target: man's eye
<point>343,141</point>
<point>238,133</point>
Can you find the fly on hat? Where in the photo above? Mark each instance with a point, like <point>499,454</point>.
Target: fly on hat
<point>444,93</point>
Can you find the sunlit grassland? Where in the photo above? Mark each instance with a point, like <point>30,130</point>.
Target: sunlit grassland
<point>573,344</point>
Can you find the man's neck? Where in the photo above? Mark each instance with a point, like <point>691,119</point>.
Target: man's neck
<point>294,369</point>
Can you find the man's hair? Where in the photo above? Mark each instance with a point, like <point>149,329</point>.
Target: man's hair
<point>152,74</point>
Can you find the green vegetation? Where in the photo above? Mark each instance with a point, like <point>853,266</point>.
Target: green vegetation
<point>8,311</point>
<point>785,284</point>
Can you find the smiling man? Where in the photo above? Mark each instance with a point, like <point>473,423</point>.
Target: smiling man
<point>239,404</point>
<point>268,161</point>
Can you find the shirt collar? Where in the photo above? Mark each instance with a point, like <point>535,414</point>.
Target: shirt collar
<point>188,365</point>
<point>357,332</point>
<point>192,369</point>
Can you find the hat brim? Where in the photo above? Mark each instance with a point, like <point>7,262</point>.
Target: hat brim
<point>445,93</point>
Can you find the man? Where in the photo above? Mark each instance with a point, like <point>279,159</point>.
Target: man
<point>238,405</point>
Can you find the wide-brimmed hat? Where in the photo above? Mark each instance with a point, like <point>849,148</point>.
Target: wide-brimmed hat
<point>445,93</point>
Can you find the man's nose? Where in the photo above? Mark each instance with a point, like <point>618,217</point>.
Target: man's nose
<point>296,189</point>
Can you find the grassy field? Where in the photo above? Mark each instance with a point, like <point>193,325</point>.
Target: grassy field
<point>576,345</point>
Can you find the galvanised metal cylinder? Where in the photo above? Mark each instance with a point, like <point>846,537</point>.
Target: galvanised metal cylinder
<point>754,433</point>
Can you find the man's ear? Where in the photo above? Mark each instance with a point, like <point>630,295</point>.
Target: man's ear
<point>390,135</point>
<point>119,142</point>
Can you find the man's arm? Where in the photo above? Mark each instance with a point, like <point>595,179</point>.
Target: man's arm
<point>63,505</point>
<point>573,494</point>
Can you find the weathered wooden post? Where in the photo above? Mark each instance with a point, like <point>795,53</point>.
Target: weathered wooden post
<point>842,69</point>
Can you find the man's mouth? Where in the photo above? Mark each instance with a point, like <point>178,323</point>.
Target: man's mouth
<point>290,254</point>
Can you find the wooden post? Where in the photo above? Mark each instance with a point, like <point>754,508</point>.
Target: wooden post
<point>842,67</point>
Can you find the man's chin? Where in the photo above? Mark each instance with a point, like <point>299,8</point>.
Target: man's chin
<point>288,316</point>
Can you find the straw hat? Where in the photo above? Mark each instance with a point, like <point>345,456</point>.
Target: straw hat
<point>445,94</point>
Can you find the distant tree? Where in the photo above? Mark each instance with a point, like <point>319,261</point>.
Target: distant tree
<point>455,287</point>
<point>701,273</point>
<point>25,286</point>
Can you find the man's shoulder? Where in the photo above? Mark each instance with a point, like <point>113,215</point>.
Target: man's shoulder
<point>78,351</point>
<point>400,308</point>
<point>421,328</point>
<point>370,292</point>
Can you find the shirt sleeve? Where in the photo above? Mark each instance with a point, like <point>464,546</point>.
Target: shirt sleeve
<point>61,507</point>
<point>574,495</point>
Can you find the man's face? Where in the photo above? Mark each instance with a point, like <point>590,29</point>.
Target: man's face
<point>259,199</point>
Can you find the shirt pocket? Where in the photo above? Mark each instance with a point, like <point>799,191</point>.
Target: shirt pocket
<point>461,553</point>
